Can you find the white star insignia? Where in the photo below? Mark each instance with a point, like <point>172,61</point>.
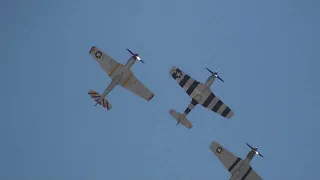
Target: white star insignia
<point>219,150</point>
<point>98,54</point>
<point>179,75</point>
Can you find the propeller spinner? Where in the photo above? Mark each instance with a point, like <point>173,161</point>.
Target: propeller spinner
<point>135,55</point>
<point>255,149</point>
<point>215,74</point>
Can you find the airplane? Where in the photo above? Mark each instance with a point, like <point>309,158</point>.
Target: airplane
<point>120,74</point>
<point>239,169</point>
<point>200,94</point>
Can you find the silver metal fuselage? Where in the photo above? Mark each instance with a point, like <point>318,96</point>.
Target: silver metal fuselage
<point>123,72</point>
<point>199,94</point>
<point>120,75</point>
<point>210,80</point>
<point>130,62</point>
<point>250,156</point>
<point>202,91</point>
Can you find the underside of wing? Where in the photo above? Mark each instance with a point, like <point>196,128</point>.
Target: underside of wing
<point>184,80</point>
<point>229,160</point>
<point>134,85</point>
<point>107,63</point>
<point>216,105</point>
<point>251,175</point>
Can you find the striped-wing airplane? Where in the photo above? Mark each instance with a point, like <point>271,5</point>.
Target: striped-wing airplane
<point>239,169</point>
<point>120,75</point>
<point>200,94</point>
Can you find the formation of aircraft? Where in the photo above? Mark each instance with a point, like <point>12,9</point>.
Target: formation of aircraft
<point>120,74</point>
<point>199,92</point>
<point>238,168</point>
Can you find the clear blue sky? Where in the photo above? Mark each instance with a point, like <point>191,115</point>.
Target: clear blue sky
<point>267,53</point>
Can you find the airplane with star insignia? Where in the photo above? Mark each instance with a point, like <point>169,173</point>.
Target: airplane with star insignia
<point>238,168</point>
<point>120,74</point>
<point>200,94</point>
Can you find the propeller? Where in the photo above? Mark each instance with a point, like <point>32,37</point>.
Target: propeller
<point>255,149</point>
<point>135,55</point>
<point>215,74</point>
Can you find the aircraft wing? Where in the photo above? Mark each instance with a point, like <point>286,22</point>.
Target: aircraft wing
<point>134,85</point>
<point>211,101</point>
<point>107,63</point>
<point>229,160</point>
<point>251,175</point>
<point>184,80</point>
<point>214,104</point>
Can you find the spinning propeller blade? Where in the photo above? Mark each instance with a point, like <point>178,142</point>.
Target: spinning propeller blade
<point>130,52</point>
<point>210,71</point>
<point>255,149</point>
<point>136,55</point>
<point>249,146</point>
<point>216,74</point>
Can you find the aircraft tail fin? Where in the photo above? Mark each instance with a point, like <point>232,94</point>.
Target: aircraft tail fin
<point>103,102</point>
<point>184,121</point>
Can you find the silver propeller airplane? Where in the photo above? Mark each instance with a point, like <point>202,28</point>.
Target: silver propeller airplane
<point>238,168</point>
<point>200,94</point>
<point>120,74</point>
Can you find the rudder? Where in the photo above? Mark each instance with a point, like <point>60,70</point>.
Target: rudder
<point>96,96</point>
<point>185,122</point>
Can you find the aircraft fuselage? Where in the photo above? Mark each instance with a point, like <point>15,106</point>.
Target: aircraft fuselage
<point>250,156</point>
<point>200,93</point>
<point>123,71</point>
<point>242,172</point>
<point>245,168</point>
<point>210,80</point>
<point>120,76</point>
<point>130,62</point>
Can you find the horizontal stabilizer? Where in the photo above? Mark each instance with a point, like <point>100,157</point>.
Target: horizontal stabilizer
<point>103,102</point>
<point>183,121</point>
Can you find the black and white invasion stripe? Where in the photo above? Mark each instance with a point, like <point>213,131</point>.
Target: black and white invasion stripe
<point>216,105</point>
<point>190,107</point>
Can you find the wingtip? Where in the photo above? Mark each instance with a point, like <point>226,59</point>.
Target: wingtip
<point>190,126</point>
<point>92,48</point>
<point>109,106</point>
<point>230,115</point>
<point>213,144</point>
<point>91,92</point>
<point>172,69</point>
<point>151,97</point>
